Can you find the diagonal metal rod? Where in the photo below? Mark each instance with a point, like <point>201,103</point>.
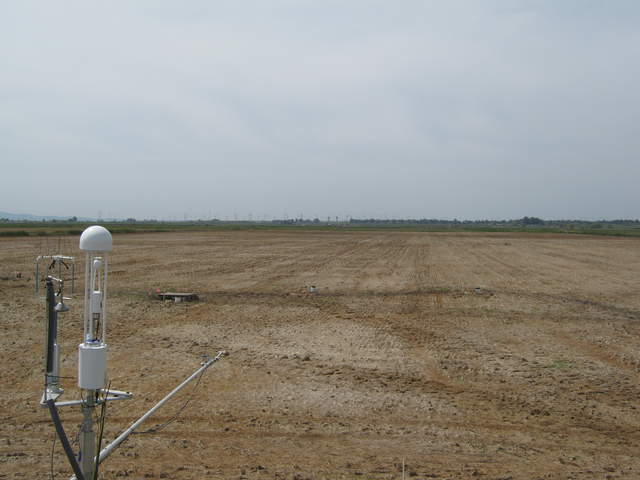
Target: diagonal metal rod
<point>109,448</point>
<point>123,436</point>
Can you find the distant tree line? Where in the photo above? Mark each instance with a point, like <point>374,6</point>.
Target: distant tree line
<point>526,221</point>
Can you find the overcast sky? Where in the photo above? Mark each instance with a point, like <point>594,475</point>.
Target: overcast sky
<point>436,109</point>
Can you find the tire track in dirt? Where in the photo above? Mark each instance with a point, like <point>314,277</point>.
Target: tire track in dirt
<point>561,299</point>
<point>289,265</point>
<point>596,352</point>
<point>382,271</point>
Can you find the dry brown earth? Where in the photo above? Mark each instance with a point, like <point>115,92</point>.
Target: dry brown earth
<point>534,376</point>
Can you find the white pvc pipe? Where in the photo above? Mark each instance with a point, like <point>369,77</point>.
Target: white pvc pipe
<point>87,297</point>
<point>103,286</point>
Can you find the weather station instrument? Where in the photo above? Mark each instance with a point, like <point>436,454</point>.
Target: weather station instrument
<point>95,392</point>
<point>58,261</point>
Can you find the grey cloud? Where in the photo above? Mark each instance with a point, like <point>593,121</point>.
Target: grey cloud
<point>456,109</point>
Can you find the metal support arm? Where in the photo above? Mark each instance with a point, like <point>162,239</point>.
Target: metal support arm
<point>123,436</point>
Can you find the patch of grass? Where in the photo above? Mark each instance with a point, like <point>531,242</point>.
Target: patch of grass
<point>560,365</point>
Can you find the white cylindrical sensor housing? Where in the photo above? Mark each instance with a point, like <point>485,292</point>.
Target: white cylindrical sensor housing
<point>92,366</point>
<point>96,302</point>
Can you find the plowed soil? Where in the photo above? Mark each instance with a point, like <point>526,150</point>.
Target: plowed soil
<point>465,356</point>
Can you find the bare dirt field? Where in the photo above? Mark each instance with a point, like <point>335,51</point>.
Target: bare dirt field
<point>470,356</point>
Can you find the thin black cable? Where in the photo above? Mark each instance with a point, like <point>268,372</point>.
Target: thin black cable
<point>73,461</point>
<point>77,437</point>
<point>157,428</point>
<point>53,447</point>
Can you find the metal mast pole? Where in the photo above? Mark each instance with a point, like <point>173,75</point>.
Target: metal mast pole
<point>51,376</point>
<point>88,437</point>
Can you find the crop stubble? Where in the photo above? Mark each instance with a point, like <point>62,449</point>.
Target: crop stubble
<point>398,356</point>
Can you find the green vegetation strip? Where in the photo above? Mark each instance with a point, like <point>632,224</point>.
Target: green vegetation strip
<point>44,229</point>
